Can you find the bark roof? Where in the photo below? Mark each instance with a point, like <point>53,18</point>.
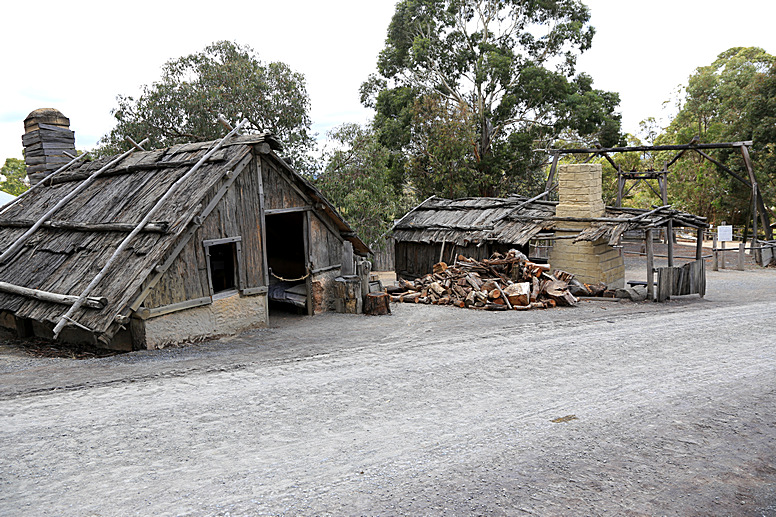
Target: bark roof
<point>64,259</point>
<point>516,220</point>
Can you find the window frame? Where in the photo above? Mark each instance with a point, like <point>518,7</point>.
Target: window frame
<point>238,266</point>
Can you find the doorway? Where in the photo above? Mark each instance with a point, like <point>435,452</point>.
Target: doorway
<point>287,261</point>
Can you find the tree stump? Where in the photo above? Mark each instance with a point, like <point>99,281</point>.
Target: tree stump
<point>377,304</point>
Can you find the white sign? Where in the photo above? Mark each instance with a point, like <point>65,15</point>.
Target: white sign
<point>725,233</point>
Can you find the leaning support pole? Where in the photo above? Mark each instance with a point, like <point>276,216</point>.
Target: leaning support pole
<point>125,243</point>
<point>93,302</point>
<point>553,169</point>
<point>14,248</point>
<point>61,169</point>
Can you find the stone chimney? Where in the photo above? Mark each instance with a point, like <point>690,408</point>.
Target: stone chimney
<point>46,137</point>
<point>580,195</point>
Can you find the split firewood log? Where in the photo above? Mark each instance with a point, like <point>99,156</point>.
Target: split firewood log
<point>407,285</point>
<point>596,289</point>
<point>496,307</point>
<point>578,289</point>
<point>558,292</point>
<point>518,293</point>
<point>534,289</point>
<point>489,285</point>
<point>411,297</point>
<point>439,267</point>
<point>437,288</point>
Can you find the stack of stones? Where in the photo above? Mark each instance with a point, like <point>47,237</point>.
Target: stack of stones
<point>46,137</point>
<point>580,195</point>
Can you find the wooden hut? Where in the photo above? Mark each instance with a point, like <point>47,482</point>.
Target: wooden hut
<point>169,245</point>
<point>440,229</point>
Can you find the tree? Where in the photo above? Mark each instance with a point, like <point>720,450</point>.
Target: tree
<point>505,68</point>
<point>730,100</point>
<point>356,180</point>
<point>225,78</point>
<point>13,176</point>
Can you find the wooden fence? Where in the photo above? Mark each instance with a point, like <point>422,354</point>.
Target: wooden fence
<point>384,257</point>
<point>677,281</point>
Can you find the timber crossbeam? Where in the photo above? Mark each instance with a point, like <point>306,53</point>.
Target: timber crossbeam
<point>93,302</point>
<point>158,227</point>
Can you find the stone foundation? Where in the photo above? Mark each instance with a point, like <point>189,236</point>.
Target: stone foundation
<point>224,316</point>
<point>580,195</point>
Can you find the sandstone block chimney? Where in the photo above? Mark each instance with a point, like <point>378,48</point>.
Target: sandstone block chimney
<point>580,195</point>
<point>46,137</point>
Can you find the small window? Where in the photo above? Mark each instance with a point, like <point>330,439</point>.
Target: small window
<point>223,264</point>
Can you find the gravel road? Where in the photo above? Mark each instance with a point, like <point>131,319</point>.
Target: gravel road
<point>609,408</point>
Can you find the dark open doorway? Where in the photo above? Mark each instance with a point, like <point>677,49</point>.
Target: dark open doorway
<point>287,261</point>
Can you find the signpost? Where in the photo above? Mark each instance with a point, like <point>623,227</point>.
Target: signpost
<point>724,234</point>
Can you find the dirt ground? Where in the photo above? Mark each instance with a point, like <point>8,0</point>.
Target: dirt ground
<point>608,408</point>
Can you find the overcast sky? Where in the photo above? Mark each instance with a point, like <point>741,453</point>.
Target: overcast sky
<point>77,56</point>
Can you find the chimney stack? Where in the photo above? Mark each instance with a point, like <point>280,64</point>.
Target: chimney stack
<point>46,137</point>
<point>580,196</point>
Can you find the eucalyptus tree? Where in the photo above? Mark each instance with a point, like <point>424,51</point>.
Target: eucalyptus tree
<point>730,100</point>
<point>224,78</point>
<point>507,68</point>
<point>356,179</point>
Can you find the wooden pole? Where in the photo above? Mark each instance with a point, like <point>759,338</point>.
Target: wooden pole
<point>699,244</point>
<point>61,169</point>
<point>650,265</point>
<point>753,181</point>
<point>13,248</point>
<point>741,251</point>
<point>722,256</point>
<point>675,147</point>
<point>757,195</point>
<point>93,302</point>
<point>553,168</point>
<point>715,264</point>
<point>662,179</point>
<point>87,227</point>
<point>125,243</point>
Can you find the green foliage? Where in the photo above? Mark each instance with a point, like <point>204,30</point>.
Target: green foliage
<point>224,78</point>
<point>13,176</point>
<point>440,158</point>
<point>730,100</point>
<point>499,75</point>
<point>357,181</point>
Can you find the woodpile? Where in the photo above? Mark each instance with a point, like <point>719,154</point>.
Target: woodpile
<point>503,282</point>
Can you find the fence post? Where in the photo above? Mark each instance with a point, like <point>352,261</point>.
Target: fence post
<point>715,263</point>
<point>741,251</point>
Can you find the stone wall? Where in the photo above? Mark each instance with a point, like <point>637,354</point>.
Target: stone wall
<point>580,195</point>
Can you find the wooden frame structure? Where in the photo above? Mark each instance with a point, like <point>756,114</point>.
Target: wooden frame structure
<point>758,209</point>
<point>116,251</point>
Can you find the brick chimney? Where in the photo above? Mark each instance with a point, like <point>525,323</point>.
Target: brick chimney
<point>46,137</point>
<point>580,195</point>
